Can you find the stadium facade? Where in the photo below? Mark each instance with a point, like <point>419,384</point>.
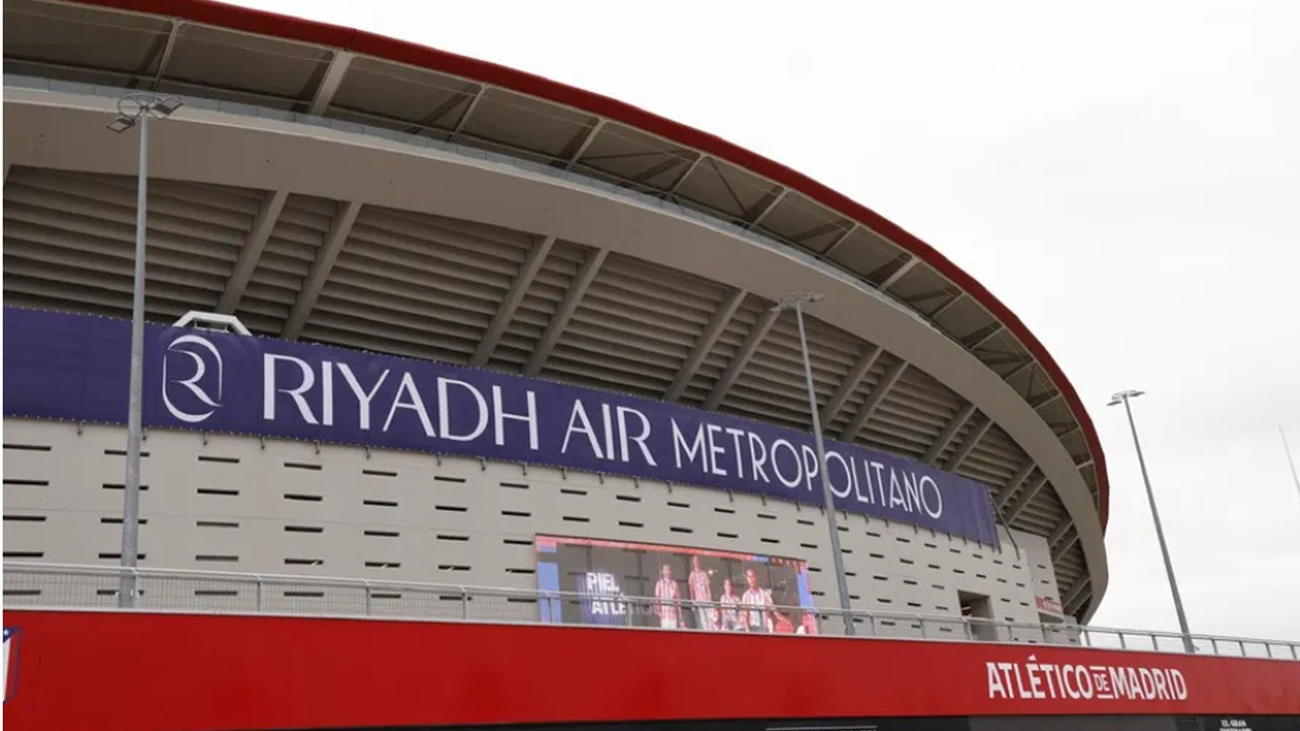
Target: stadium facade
<point>330,187</point>
<point>505,333</point>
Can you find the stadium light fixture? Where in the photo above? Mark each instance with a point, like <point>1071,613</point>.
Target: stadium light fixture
<point>135,110</point>
<point>1123,397</point>
<point>1119,398</point>
<point>796,301</point>
<point>121,124</point>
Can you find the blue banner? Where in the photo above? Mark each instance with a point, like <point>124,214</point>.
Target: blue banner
<point>75,367</point>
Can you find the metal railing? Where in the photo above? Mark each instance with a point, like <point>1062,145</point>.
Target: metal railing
<point>40,585</point>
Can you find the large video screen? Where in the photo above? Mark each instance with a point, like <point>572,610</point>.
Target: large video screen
<point>615,583</point>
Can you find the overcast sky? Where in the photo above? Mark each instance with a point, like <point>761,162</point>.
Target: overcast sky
<point>1125,176</point>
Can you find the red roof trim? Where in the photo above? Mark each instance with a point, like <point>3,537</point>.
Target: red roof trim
<point>370,44</point>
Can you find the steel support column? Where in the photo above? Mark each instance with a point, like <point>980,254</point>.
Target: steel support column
<point>874,399</point>
<point>251,253</point>
<point>677,184</point>
<point>586,142</point>
<point>469,110</point>
<point>899,273</point>
<point>1077,604</point>
<point>1076,595</point>
<point>1005,493</point>
<point>330,82</point>
<point>577,288</point>
<point>974,340</point>
<point>166,53</point>
<point>972,440</point>
<point>340,228</point>
<point>1031,492</point>
<point>726,310</point>
<point>1060,550</point>
<point>1060,532</point>
<point>870,354</point>
<point>948,434</point>
<point>741,359</point>
<point>944,307</point>
<point>505,313</point>
<point>1042,400</point>
<point>836,244</point>
<point>1028,363</point>
<point>771,204</point>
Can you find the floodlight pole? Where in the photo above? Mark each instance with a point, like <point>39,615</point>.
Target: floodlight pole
<point>1286,447</point>
<point>136,110</point>
<point>1123,397</point>
<point>796,301</point>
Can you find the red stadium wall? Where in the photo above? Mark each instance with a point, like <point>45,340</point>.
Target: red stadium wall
<point>110,670</point>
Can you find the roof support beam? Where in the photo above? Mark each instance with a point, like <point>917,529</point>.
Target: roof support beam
<point>836,244</point>
<point>577,288</point>
<point>592,131</point>
<point>877,397</point>
<point>429,122</point>
<point>1064,429</point>
<point>726,310</point>
<point>1076,590</point>
<point>849,384</point>
<point>741,359</point>
<point>1028,363</point>
<point>671,192</point>
<point>1000,358</point>
<point>944,307</point>
<point>1066,545</point>
<point>931,295</point>
<point>949,432</point>
<point>1042,400</point>
<point>1031,492</point>
<point>772,202</point>
<point>505,313</point>
<point>330,82</point>
<point>899,273</point>
<point>1060,532</point>
<point>340,227</point>
<point>654,171</point>
<point>166,53</point>
<point>981,336</point>
<point>982,426</point>
<point>251,254</point>
<point>1005,493</point>
<point>469,110</point>
<point>1077,595</point>
<point>821,229</point>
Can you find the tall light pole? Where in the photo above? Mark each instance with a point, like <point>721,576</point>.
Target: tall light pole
<point>1123,398</point>
<point>796,301</point>
<point>135,110</point>
<point>1295,476</point>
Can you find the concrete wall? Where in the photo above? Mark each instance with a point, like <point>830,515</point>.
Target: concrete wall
<point>234,503</point>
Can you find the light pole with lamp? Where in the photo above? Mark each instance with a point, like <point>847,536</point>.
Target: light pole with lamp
<point>1295,476</point>
<point>796,301</point>
<point>136,110</point>
<point>1123,398</point>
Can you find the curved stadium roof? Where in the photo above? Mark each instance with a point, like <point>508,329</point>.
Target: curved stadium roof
<point>251,60</point>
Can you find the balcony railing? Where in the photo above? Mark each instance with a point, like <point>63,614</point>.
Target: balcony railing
<point>40,585</point>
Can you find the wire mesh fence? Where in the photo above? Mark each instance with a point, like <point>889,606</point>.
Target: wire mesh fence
<point>95,587</point>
